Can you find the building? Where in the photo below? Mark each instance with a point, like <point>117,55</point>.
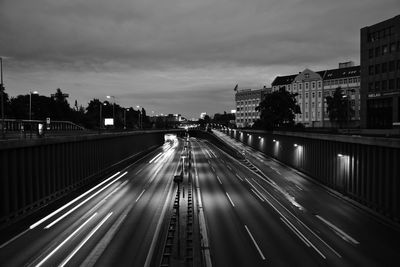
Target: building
<point>246,102</point>
<point>313,88</point>
<point>380,74</point>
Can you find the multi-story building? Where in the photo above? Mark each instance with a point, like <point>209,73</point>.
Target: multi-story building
<point>313,88</point>
<point>380,74</point>
<point>246,102</point>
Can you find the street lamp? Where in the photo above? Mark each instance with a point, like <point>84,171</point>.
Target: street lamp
<point>100,116</point>
<point>30,109</point>
<point>140,117</point>
<point>113,97</point>
<point>125,109</point>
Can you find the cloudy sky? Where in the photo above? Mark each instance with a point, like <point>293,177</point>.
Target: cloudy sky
<point>175,56</point>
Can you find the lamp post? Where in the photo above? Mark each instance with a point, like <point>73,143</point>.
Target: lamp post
<point>101,116</point>
<point>30,110</point>
<point>125,109</point>
<point>140,117</point>
<point>2,98</point>
<point>113,97</point>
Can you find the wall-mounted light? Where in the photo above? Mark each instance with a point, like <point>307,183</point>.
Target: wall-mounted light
<point>274,141</point>
<point>296,145</point>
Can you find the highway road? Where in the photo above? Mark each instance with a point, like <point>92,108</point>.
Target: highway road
<point>252,212</point>
<point>292,220</point>
<point>117,222</point>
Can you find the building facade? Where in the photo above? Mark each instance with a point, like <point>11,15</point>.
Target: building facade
<point>246,102</point>
<point>313,88</point>
<point>380,74</point>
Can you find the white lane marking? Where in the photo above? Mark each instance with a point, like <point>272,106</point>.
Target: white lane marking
<point>65,241</point>
<point>299,235</point>
<point>255,243</point>
<point>339,231</point>
<point>229,167</point>
<point>14,238</point>
<point>301,189</point>
<point>153,159</point>
<point>64,262</point>
<point>140,195</point>
<point>257,195</point>
<point>208,153</point>
<point>83,202</point>
<point>306,239</point>
<point>238,176</point>
<point>102,244</point>
<point>230,199</point>
<point>294,216</point>
<point>212,168</point>
<point>212,152</point>
<point>219,180</point>
<point>71,202</point>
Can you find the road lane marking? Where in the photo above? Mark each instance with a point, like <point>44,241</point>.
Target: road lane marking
<point>212,168</point>
<point>294,216</point>
<point>140,195</point>
<point>14,238</point>
<point>71,202</point>
<point>299,235</point>
<point>65,241</point>
<point>339,231</point>
<point>64,262</point>
<point>219,180</point>
<point>255,243</point>
<point>229,167</point>
<point>230,199</point>
<point>238,176</point>
<point>306,239</point>
<point>83,202</point>
<point>257,195</point>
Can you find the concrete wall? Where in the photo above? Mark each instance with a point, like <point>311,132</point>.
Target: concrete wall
<point>35,172</point>
<point>366,169</point>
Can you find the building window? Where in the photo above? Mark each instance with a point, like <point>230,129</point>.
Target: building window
<point>377,86</point>
<point>313,85</point>
<point>313,95</point>
<point>392,47</point>
<point>299,86</point>
<point>371,70</point>
<point>377,51</point>
<point>319,84</point>
<point>306,115</point>
<point>306,85</point>
<point>299,96</point>
<point>385,50</point>
<point>319,94</point>
<point>377,69</point>
<point>384,67</point>
<point>392,65</point>
<point>370,86</point>
<point>306,95</point>
<point>371,53</point>
<point>307,75</point>
<point>391,84</point>
<point>384,85</point>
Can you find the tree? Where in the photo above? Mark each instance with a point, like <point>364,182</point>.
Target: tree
<point>278,109</point>
<point>338,107</point>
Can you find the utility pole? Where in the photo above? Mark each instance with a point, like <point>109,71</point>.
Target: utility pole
<point>2,99</point>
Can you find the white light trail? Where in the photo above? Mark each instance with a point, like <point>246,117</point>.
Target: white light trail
<point>255,243</point>
<point>65,241</point>
<point>83,202</point>
<point>71,202</point>
<point>84,241</point>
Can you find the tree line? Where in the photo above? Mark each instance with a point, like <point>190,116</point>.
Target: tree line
<point>57,107</point>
